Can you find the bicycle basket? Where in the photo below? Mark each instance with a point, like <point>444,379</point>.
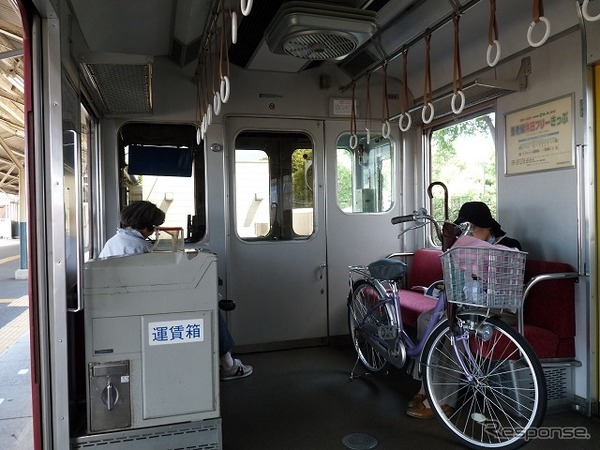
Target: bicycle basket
<point>486,277</point>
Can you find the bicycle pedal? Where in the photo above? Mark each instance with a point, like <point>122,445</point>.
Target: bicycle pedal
<point>387,332</point>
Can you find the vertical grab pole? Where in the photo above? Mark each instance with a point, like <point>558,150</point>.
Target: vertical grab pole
<point>579,158</point>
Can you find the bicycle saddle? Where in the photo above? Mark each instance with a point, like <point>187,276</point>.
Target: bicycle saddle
<point>388,269</point>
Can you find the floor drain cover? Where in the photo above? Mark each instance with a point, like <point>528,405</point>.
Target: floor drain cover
<point>359,441</point>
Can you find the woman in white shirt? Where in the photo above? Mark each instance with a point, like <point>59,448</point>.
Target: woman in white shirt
<point>138,222</point>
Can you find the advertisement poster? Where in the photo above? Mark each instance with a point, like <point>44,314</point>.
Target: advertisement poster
<point>540,137</point>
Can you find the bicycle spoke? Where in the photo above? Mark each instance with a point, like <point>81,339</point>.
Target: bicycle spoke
<point>366,314</point>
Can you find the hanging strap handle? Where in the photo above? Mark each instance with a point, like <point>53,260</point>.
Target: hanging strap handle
<point>216,66</point>
<point>493,27</point>
<point>538,16</point>
<point>225,87</point>
<point>404,108</point>
<point>353,136</point>
<point>493,37</point>
<point>385,126</point>
<point>457,79</point>
<point>427,89</point>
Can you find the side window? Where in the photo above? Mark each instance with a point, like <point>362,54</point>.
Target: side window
<point>365,175</point>
<point>274,186</point>
<point>162,163</point>
<point>463,157</point>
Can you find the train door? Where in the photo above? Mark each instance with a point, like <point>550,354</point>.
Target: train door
<point>276,262</point>
<point>363,194</point>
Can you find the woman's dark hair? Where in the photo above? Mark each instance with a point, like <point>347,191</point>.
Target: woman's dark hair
<point>142,214</point>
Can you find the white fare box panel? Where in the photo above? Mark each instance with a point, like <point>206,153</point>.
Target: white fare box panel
<point>177,379</point>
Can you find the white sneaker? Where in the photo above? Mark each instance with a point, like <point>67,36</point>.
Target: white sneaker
<point>238,370</point>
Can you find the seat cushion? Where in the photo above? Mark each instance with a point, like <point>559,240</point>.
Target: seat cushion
<point>550,305</point>
<point>544,342</point>
<point>414,303</point>
<point>425,267</point>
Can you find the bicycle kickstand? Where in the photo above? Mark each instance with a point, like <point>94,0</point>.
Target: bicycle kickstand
<point>352,372</point>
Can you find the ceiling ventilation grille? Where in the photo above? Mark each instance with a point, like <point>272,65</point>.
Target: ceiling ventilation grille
<point>123,83</point>
<point>320,46</point>
<point>319,32</point>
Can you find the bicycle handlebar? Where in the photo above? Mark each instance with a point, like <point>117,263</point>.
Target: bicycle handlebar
<point>402,219</point>
<point>416,216</point>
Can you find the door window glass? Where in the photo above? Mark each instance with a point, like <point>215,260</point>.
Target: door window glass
<point>365,174</point>
<point>274,185</point>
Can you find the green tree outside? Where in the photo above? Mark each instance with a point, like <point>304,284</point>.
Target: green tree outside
<point>463,157</point>
<point>302,178</point>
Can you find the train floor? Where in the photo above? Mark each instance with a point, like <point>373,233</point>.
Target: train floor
<point>304,399</point>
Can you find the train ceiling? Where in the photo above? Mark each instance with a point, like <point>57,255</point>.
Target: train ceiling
<point>276,35</point>
<point>290,36</point>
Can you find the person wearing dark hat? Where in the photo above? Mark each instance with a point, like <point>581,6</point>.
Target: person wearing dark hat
<point>483,226</point>
<point>476,219</point>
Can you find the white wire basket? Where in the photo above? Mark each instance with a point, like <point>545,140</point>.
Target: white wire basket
<point>486,277</point>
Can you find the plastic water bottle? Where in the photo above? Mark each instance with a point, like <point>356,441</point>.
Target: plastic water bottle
<point>471,291</point>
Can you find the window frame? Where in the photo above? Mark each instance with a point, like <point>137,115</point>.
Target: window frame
<point>278,150</point>
<point>169,134</point>
<point>428,162</point>
<point>343,143</point>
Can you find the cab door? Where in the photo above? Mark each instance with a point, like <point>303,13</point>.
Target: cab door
<point>276,257</point>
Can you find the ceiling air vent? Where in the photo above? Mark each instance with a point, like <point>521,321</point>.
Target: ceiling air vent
<point>319,32</point>
<point>121,83</point>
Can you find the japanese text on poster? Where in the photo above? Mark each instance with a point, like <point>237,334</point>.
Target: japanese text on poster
<point>540,138</point>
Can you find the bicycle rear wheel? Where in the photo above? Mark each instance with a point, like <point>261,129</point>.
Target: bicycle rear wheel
<point>366,314</point>
<point>506,395</point>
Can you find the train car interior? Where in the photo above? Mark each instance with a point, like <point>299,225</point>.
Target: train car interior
<point>290,144</point>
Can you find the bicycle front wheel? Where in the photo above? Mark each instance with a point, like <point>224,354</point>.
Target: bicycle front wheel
<point>487,387</point>
<point>366,314</point>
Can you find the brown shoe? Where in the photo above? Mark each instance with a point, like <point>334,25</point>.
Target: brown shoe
<point>418,398</point>
<point>420,411</point>
<point>447,409</point>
